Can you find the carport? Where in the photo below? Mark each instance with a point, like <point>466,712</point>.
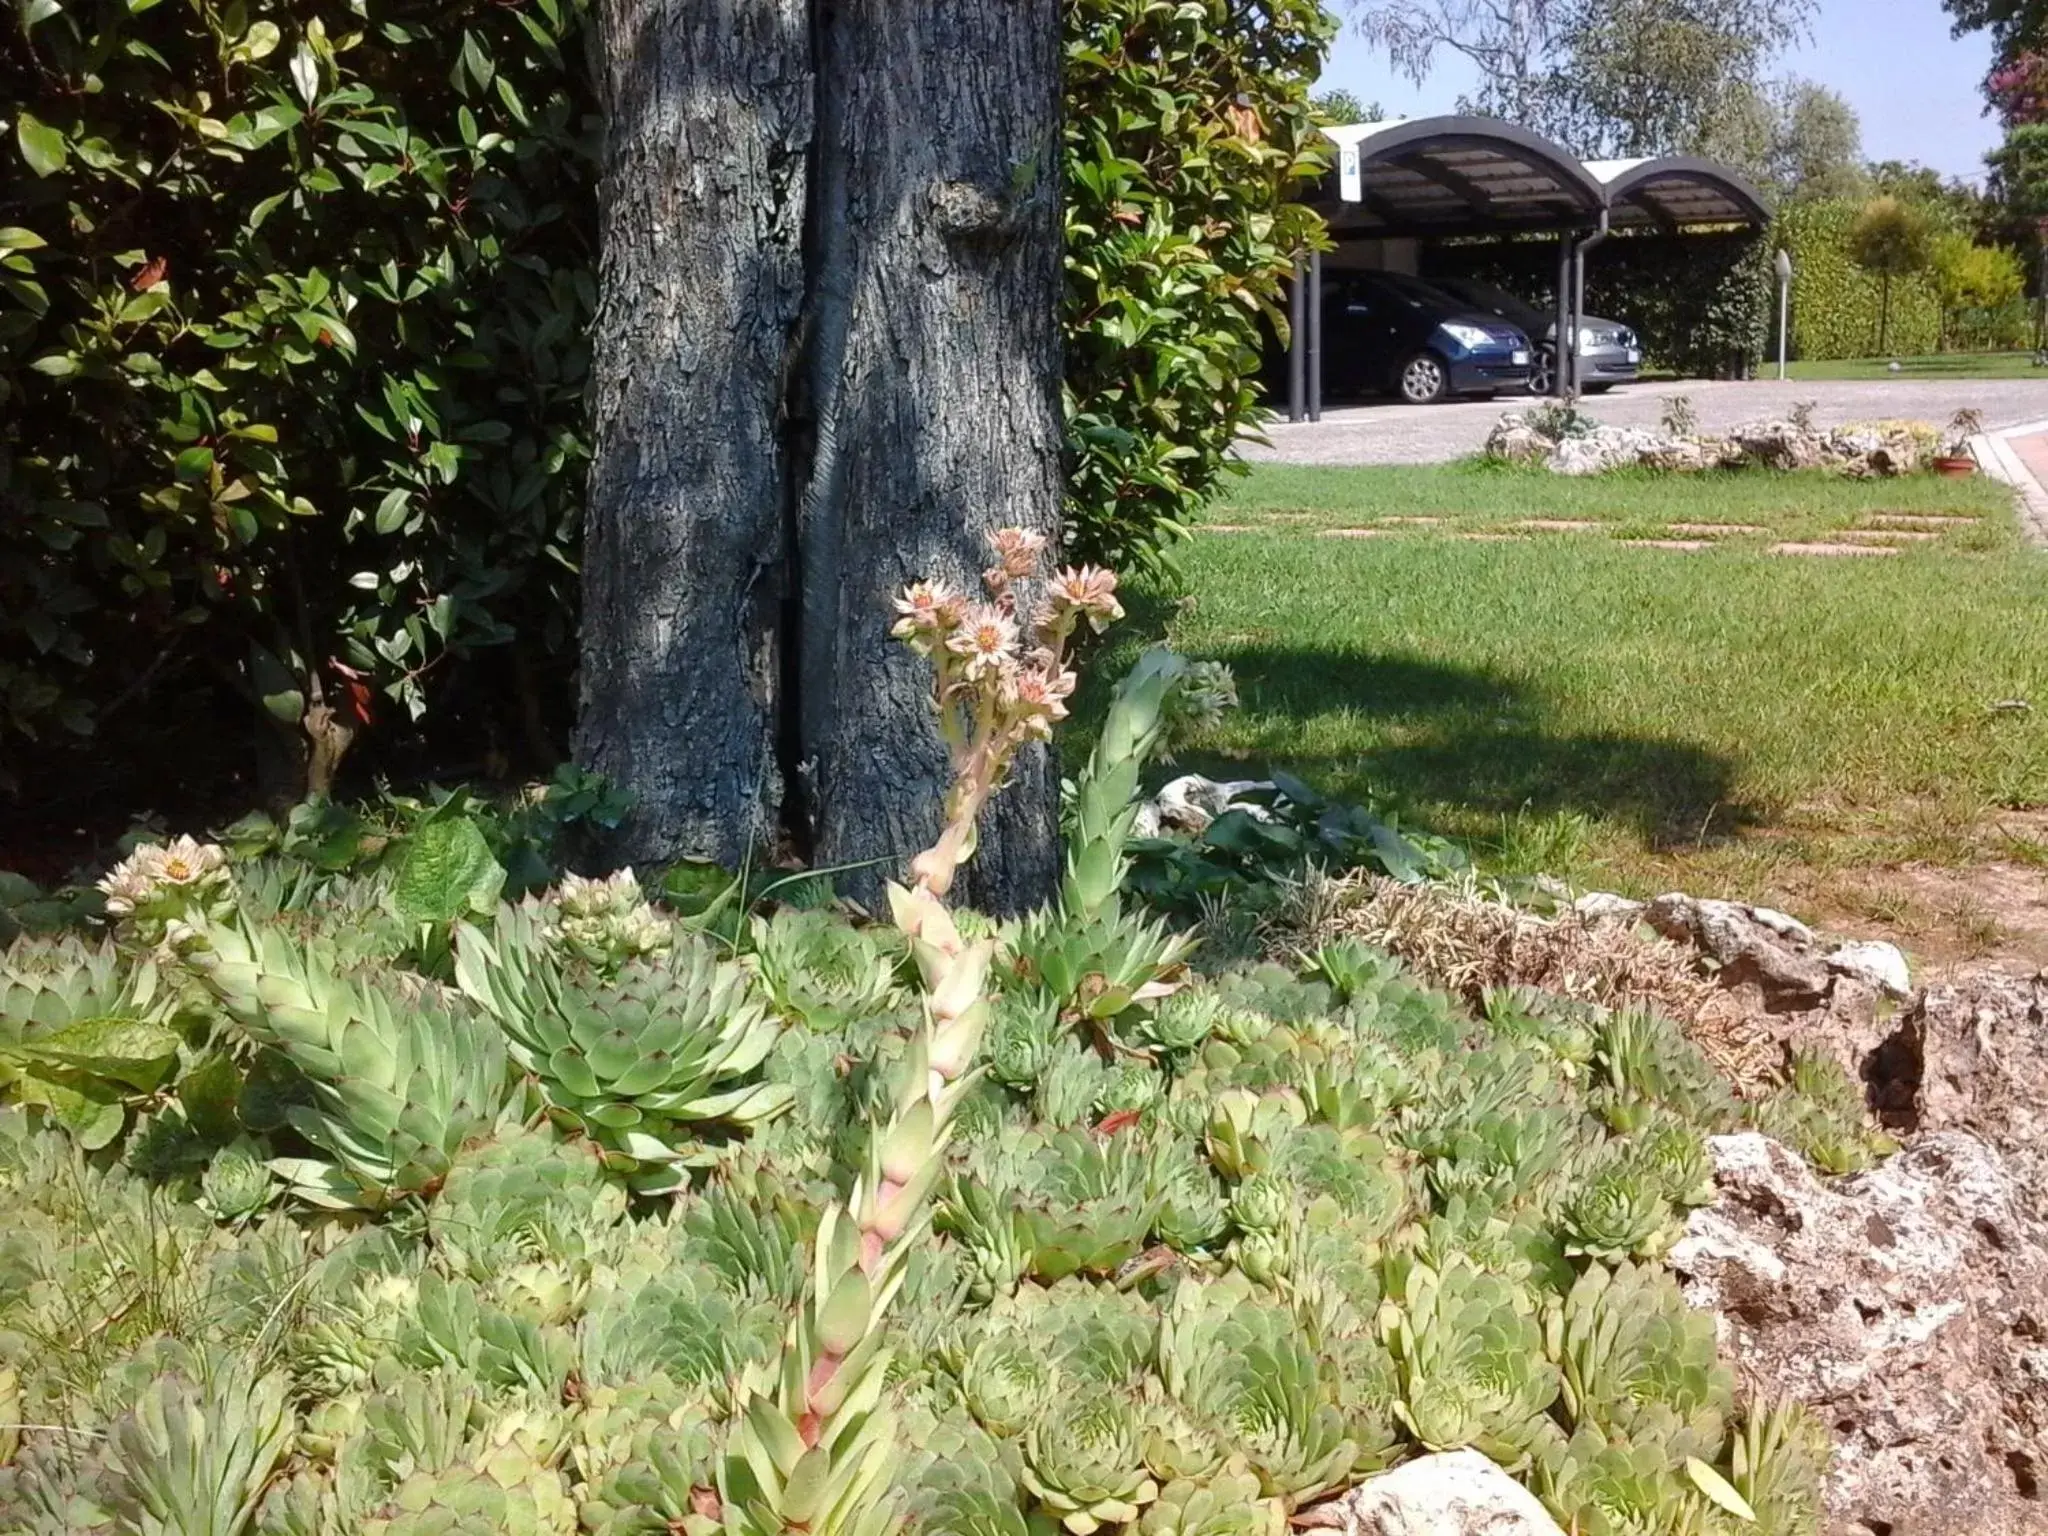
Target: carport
<point>1443,177</point>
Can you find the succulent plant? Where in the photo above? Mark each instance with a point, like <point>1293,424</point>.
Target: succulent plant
<point>821,971</point>
<point>639,1060</point>
<point>1628,1349</point>
<point>1244,1127</point>
<point>238,1184</point>
<point>604,923</point>
<point>957,1481</point>
<point>996,1236</point>
<point>1353,972</point>
<point>1617,1210</point>
<point>83,1031</point>
<point>1084,1461</point>
<point>1178,1027</point>
<point>522,1195</point>
<point>1089,1205</point>
<point>1253,1372</point>
<point>1007,1379</point>
<point>1229,1504</point>
<point>654,1479</point>
<point>1643,1056</point>
<point>1615,1487</point>
<point>1469,1356</point>
<point>1819,1112</point>
<point>401,1077</point>
<point>1024,1036</point>
<point>192,1459</point>
<point>1101,965</point>
<point>1778,1459</point>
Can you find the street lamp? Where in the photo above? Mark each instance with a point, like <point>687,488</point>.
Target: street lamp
<point>1784,306</point>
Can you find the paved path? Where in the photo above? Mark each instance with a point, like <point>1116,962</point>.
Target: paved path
<point>1435,434</point>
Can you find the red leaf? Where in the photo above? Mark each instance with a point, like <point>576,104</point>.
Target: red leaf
<point>151,275</point>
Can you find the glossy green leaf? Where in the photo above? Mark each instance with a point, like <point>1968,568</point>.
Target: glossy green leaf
<point>42,146</point>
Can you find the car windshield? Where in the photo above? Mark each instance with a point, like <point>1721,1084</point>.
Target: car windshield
<point>1487,296</point>
<point>1412,291</point>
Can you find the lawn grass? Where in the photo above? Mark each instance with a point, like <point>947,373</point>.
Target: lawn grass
<point>1939,365</point>
<point>1728,721</point>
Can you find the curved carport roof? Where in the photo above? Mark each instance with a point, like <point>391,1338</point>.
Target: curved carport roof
<point>1441,176</point>
<point>1677,191</point>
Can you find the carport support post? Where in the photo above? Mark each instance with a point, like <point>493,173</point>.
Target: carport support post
<point>1315,336</point>
<point>1563,371</point>
<point>1297,343</point>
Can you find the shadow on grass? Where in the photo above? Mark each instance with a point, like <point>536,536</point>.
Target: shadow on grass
<point>1447,742</point>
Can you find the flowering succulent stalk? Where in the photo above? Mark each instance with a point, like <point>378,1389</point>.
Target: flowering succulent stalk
<point>607,922</point>
<point>813,1442</point>
<point>162,885</point>
<point>999,681</point>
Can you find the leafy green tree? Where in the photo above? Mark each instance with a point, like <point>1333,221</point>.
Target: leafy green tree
<point>1890,239</point>
<point>1968,276</point>
<point>1645,77</point>
<point>1608,77</point>
<point>2014,25</point>
<point>1799,139</point>
<point>1341,106</point>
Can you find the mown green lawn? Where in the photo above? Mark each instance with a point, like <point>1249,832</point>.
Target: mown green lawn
<point>1725,719</point>
<point>1939,365</point>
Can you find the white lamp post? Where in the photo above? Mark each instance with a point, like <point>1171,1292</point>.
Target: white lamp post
<point>1784,306</point>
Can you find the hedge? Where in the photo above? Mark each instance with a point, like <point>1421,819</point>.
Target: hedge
<point>1835,303</point>
<point>1701,303</point>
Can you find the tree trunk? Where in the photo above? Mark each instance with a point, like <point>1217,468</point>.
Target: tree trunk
<point>828,364</point>
<point>701,230</point>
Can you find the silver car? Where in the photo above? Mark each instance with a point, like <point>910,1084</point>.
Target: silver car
<point>1609,352</point>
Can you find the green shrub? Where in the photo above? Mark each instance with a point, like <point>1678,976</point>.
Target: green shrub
<point>291,351</point>
<point>1188,129</point>
<point>1700,302</point>
<point>1837,305</point>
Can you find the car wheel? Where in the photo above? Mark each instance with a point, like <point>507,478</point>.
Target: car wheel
<point>1424,380</point>
<point>1541,371</point>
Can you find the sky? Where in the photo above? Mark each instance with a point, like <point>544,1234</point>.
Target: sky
<point>1915,87</point>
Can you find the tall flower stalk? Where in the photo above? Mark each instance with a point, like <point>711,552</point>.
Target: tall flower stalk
<point>999,679</point>
<point>813,1439</point>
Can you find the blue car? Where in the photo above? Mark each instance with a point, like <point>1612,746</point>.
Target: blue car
<point>1387,333</point>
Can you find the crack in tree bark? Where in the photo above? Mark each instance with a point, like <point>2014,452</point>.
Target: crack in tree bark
<point>827,364</point>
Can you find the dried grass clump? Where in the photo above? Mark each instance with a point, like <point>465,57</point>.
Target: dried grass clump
<point>1464,942</point>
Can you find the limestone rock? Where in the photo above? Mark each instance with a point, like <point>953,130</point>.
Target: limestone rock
<point>1908,1306</point>
<point>1596,906</point>
<point>1874,963</point>
<point>1190,802</point>
<point>1515,441</point>
<point>1455,1493</point>
<point>1749,945</point>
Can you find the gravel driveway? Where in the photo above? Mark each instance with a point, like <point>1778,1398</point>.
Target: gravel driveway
<point>1435,434</point>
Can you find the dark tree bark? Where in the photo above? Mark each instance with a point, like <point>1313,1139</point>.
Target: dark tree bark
<point>701,225</point>
<point>829,364</point>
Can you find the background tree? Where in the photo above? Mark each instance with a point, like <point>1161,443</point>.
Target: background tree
<point>1340,106</point>
<point>1797,138</point>
<point>1608,77</point>
<point>1645,77</point>
<point>827,364</point>
<point>1510,41</point>
<point>1968,276</point>
<point>2014,25</point>
<point>1890,239</point>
